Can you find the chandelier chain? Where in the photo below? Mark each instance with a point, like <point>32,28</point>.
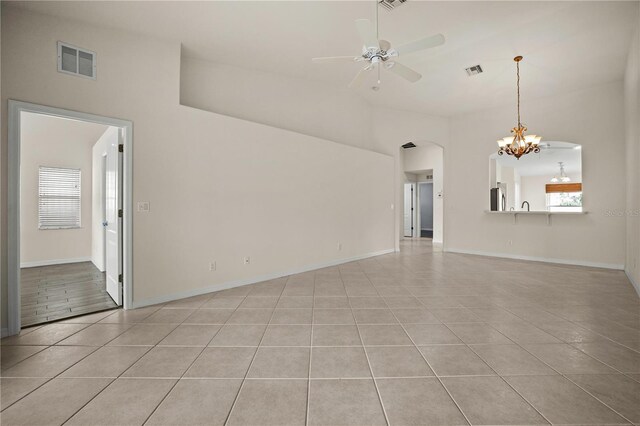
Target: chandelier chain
<point>518,84</point>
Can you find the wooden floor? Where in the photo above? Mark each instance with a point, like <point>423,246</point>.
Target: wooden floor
<point>50,293</point>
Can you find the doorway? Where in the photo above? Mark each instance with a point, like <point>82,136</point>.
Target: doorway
<point>409,210</point>
<point>426,209</point>
<point>69,242</point>
<point>422,168</point>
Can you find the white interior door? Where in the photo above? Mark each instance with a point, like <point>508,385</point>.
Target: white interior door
<point>113,223</point>
<point>408,210</point>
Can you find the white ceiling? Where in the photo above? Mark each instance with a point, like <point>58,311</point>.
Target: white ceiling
<point>566,45</point>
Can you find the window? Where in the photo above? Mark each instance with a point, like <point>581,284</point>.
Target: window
<point>564,197</point>
<point>59,198</point>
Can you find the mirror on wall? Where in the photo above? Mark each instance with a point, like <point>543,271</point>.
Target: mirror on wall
<point>549,181</point>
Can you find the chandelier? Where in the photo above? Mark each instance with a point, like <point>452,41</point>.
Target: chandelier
<point>519,144</point>
<point>563,176</point>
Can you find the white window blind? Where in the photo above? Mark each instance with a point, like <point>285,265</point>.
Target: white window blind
<point>59,198</point>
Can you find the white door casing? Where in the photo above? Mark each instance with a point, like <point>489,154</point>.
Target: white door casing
<point>15,108</point>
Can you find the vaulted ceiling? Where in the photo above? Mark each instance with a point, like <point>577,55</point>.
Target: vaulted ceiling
<point>566,45</point>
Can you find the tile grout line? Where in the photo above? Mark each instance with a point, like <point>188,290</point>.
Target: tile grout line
<point>423,357</point>
<point>364,348</point>
<point>188,367</point>
<point>244,379</point>
<point>523,348</point>
<point>150,347</point>
<point>574,323</point>
<point>490,367</point>
<point>506,308</point>
<point>72,365</point>
<point>573,382</point>
<point>313,306</point>
<point>572,344</point>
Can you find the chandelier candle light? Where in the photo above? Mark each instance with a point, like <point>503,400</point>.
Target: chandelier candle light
<point>519,144</point>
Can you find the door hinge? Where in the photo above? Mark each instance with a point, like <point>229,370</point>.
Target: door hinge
<point>120,278</point>
<point>121,148</point>
<point>120,213</point>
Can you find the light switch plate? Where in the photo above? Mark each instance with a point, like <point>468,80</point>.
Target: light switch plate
<point>143,206</point>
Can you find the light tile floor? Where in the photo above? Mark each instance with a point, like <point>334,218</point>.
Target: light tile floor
<point>418,337</point>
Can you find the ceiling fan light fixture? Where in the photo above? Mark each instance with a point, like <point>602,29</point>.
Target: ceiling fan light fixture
<point>377,51</point>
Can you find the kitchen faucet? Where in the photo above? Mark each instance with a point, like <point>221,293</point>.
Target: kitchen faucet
<point>527,203</point>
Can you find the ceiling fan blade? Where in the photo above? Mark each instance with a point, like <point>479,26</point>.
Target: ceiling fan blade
<point>359,78</point>
<point>332,59</point>
<point>385,45</point>
<point>367,33</point>
<point>403,71</point>
<point>422,44</point>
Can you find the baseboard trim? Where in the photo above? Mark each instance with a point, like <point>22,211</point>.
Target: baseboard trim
<point>54,262</point>
<point>4,332</point>
<point>636,285</point>
<point>539,259</point>
<point>246,281</point>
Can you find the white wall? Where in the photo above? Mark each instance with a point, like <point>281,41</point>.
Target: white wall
<point>428,156</point>
<point>592,117</point>
<point>54,142</point>
<point>632,130</point>
<point>99,150</point>
<point>309,107</point>
<point>219,188</point>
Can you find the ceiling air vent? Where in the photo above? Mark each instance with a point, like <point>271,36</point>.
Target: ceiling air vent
<point>76,61</point>
<point>409,145</point>
<point>391,4</point>
<point>474,70</point>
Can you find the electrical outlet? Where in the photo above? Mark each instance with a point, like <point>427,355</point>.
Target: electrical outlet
<point>247,260</point>
<point>212,266</point>
<point>339,246</point>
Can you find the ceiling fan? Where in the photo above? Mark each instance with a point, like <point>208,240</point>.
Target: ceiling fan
<point>378,54</point>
